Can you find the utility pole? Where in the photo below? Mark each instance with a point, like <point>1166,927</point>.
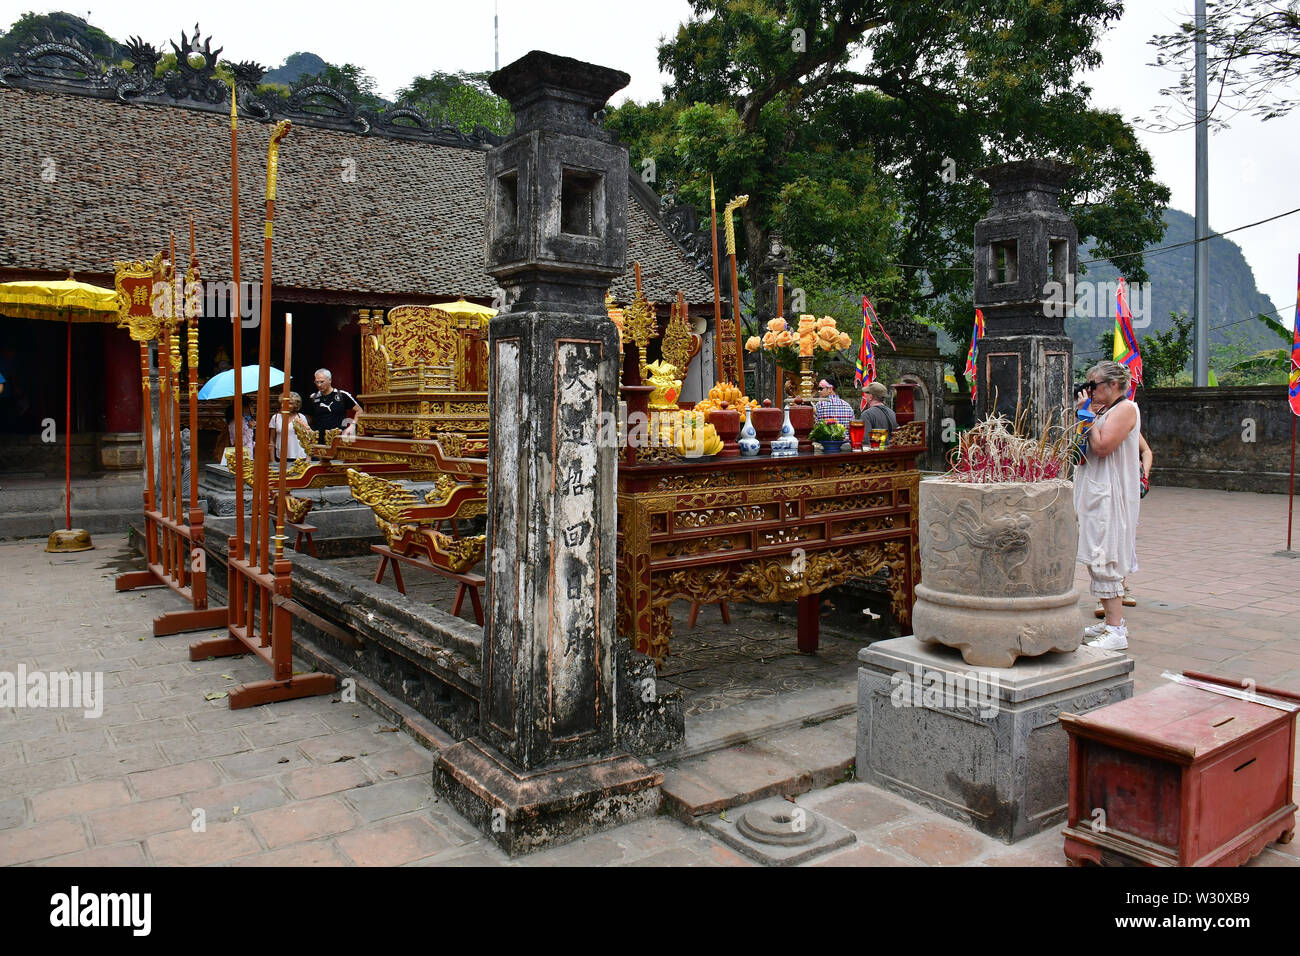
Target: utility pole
<point>496,40</point>
<point>1201,365</point>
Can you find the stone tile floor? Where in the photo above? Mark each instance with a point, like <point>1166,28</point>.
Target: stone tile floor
<point>319,782</point>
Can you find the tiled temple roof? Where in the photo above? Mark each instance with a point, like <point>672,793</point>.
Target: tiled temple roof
<point>87,181</point>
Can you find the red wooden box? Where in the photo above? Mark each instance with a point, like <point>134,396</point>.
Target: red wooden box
<point>1181,777</point>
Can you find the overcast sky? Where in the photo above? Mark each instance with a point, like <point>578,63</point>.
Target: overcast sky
<point>1252,170</point>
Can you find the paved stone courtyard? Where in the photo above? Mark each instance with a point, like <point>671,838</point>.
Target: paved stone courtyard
<point>322,782</point>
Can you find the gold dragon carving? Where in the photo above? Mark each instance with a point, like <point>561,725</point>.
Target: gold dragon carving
<point>295,509</point>
<point>410,535</point>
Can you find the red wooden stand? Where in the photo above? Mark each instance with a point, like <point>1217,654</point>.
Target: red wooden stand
<point>261,621</point>
<point>1180,776</point>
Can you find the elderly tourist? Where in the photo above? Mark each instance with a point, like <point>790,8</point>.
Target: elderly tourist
<point>332,407</point>
<point>830,407</point>
<point>1106,494</point>
<point>295,446</point>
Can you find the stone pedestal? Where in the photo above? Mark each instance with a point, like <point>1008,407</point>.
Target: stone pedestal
<point>121,451</point>
<point>523,811</point>
<point>981,745</point>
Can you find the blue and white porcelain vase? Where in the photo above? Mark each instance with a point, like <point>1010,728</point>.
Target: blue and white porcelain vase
<point>748,440</point>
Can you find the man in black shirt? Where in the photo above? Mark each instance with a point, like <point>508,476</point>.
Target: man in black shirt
<point>332,407</point>
<point>877,414</point>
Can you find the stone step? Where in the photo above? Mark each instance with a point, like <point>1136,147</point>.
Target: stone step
<point>782,765</point>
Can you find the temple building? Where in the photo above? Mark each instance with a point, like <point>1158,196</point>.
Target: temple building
<point>373,211</point>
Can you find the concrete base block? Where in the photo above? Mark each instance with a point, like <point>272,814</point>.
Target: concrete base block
<point>980,745</point>
<point>776,832</point>
<point>121,450</point>
<point>526,811</point>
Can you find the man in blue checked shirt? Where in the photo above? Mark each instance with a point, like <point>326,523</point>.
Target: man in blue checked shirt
<point>830,407</point>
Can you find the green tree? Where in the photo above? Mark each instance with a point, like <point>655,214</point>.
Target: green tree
<point>32,28</point>
<point>842,133</point>
<point>1165,354</point>
<point>1241,365</point>
<point>1252,62</point>
<point>351,79</point>
<point>462,99</point>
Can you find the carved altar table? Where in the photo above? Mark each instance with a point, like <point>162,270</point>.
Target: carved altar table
<point>765,529</point>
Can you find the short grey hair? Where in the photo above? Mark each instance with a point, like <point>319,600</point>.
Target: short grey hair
<point>324,371</point>
<point>1109,371</point>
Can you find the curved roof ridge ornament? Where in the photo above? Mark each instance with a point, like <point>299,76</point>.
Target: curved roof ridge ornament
<point>65,65</point>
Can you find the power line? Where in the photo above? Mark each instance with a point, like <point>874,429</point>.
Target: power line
<point>1213,328</point>
<point>1121,255</point>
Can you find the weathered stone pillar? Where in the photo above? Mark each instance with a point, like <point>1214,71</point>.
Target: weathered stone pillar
<point>543,768</point>
<point>1026,257</point>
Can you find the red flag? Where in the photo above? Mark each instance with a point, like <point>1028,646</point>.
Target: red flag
<point>1125,350</point>
<point>866,371</point>
<point>1294,385</point>
<point>971,370</point>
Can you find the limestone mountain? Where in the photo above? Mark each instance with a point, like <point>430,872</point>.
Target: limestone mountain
<point>1234,297</point>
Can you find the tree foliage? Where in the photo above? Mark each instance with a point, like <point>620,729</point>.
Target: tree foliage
<point>32,28</point>
<point>1241,366</point>
<point>1165,354</point>
<point>842,134</point>
<point>1252,62</point>
<point>461,99</point>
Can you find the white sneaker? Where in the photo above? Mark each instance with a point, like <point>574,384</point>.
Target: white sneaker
<point>1115,638</point>
<point>1096,630</point>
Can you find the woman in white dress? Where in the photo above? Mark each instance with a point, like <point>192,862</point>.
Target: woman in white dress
<point>1107,489</point>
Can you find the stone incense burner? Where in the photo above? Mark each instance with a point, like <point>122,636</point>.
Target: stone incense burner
<point>998,554</point>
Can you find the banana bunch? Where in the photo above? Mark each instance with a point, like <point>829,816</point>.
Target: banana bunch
<point>697,438</point>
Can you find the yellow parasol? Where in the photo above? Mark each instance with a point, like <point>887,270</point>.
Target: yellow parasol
<point>62,300</point>
<point>466,309</point>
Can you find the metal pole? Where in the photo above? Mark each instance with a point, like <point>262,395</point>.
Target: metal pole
<point>1201,370</point>
<point>67,436</point>
<point>1290,503</point>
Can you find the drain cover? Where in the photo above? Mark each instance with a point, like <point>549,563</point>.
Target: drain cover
<point>779,833</point>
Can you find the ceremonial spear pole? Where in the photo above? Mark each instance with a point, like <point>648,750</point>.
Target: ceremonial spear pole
<point>178,485</point>
<point>192,360</point>
<point>739,366</point>
<point>261,466</point>
<point>164,416</point>
<point>717,288</point>
<point>284,438</point>
<point>238,320</point>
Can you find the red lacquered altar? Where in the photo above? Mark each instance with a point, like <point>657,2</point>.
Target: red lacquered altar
<point>765,529</point>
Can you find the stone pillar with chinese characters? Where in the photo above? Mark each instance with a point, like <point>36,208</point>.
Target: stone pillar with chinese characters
<point>1026,257</point>
<point>545,767</point>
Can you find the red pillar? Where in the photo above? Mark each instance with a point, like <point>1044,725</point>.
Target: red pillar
<point>121,381</point>
<point>336,353</point>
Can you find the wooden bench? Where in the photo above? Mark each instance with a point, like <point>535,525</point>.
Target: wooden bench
<point>465,582</point>
<point>304,531</point>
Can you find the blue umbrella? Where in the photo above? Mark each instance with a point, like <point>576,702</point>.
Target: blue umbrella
<point>222,385</point>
